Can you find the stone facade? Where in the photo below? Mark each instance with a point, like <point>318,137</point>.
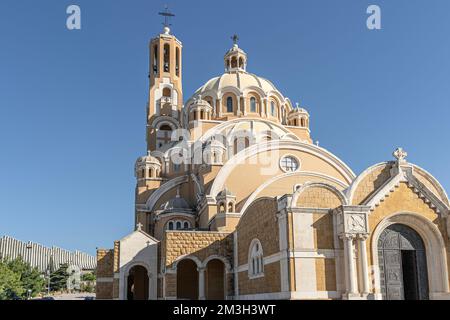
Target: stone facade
<point>234,201</point>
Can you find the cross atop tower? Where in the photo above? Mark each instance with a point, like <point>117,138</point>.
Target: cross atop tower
<point>235,39</point>
<point>167,15</point>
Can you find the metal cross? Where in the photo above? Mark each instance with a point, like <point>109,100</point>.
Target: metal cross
<point>167,15</point>
<point>235,38</point>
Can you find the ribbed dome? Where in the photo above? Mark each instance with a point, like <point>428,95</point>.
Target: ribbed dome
<point>239,80</point>
<point>148,159</point>
<point>176,204</point>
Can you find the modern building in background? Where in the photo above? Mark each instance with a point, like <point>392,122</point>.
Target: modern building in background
<point>264,213</point>
<point>43,258</point>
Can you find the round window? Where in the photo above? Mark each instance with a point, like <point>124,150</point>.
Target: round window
<point>289,164</point>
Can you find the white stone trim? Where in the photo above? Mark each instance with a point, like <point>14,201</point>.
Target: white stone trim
<point>309,295</point>
<point>169,185</point>
<point>238,159</point>
<point>287,175</point>
<point>266,296</point>
<point>333,189</point>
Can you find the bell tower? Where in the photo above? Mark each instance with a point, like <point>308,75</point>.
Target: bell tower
<point>166,93</point>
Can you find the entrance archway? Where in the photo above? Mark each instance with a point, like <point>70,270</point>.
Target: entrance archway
<point>187,280</point>
<point>215,280</point>
<point>137,284</point>
<point>403,264</point>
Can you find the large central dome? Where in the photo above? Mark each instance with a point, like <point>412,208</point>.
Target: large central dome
<point>242,81</point>
<point>238,93</point>
<point>236,79</point>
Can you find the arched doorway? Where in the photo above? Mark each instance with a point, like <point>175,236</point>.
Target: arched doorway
<point>187,280</point>
<point>215,280</point>
<point>137,284</point>
<point>403,264</point>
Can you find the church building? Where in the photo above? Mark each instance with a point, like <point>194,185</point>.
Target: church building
<point>235,201</point>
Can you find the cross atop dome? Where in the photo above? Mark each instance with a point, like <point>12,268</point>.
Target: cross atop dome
<point>236,58</point>
<point>235,39</point>
<point>167,15</point>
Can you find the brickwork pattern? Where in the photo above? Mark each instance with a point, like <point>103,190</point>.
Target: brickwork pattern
<point>197,243</point>
<point>258,222</point>
<point>270,283</point>
<point>371,183</point>
<point>326,274</point>
<point>318,197</point>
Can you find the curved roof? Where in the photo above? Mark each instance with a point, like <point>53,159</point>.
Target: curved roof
<point>373,178</point>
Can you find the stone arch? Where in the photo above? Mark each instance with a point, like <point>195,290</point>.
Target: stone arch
<point>434,246</point>
<point>342,198</point>
<point>221,258</point>
<point>137,279</point>
<point>187,279</point>
<point>196,260</point>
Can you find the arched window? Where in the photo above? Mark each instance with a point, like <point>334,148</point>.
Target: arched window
<point>252,104</point>
<point>170,225</point>
<point>176,167</point>
<point>164,135</point>
<point>155,59</point>
<point>177,66</point>
<point>230,207</point>
<point>229,104</point>
<point>303,122</point>
<point>166,58</point>
<point>240,144</point>
<point>186,225</point>
<point>234,62</point>
<point>178,225</point>
<point>241,63</point>
<point>167,92</point>
<point>272,108</point>
<point>256,260</point>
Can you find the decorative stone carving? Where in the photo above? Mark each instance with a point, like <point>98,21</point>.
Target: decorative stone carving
<point>352,220</point>
<point>400,155</point>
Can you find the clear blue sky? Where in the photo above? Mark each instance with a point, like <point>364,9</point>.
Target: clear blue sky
<point>72,103</point>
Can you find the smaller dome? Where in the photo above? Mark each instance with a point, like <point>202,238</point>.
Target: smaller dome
<point>148,159</point>
<point>297,109</point>
<point>225,193</point>
<point>176,204</point>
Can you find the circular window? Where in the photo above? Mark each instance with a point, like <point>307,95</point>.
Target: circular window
<point>289,164</point>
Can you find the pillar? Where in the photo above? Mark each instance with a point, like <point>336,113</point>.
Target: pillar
<point>350,272</point>
<point>201,283</point>
<point>363,263</point>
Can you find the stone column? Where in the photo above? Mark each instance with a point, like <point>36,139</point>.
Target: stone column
<point>201,284</point>
<point>363,263</point>
<point>238,109</point>
<point>350,274</point>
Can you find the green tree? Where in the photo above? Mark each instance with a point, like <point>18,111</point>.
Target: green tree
<point>58,279</point>
<point>89,276</point>
<point>10,284</point>
<point>30,278</point>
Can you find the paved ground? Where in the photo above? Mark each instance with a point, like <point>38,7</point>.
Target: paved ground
<point>75,296</point>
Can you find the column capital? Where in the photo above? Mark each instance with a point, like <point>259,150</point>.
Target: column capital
<point>347,236</point>
<point>363,236</point>
<point>201,269</point>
